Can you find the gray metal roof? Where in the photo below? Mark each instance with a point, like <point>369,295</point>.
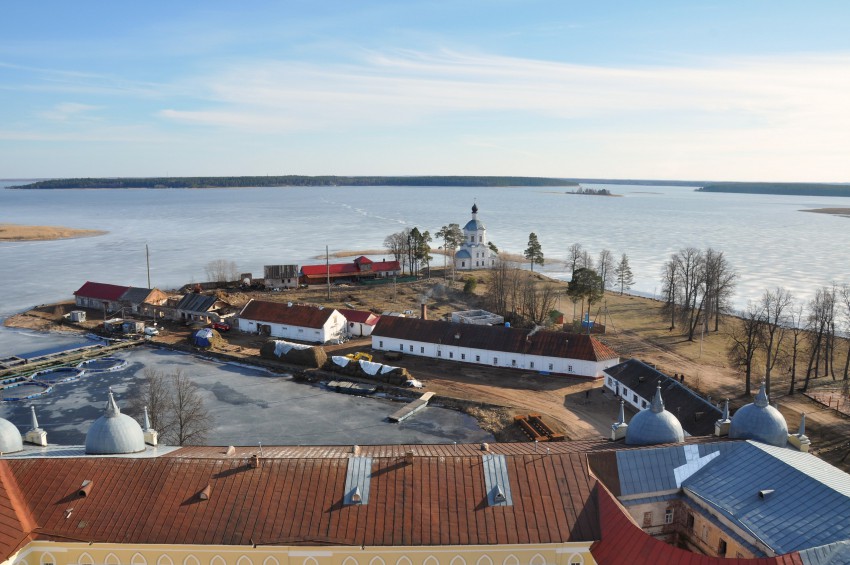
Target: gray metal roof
<point>10,437</point>
<point>136,295</point>
<point>358,477</point>
<point>473,225</point>
<point>662,469</point>
<point>496,480</point>
<point>837,553</point>
<point>196,302</point>
<point>114,433</point>
<point>808,506</point>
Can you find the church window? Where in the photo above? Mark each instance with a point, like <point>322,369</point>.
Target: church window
<point>463,263</point>
<point>668,515</point>
<point>647,519</point>
<point>721,548</point>
<point>690,521</point>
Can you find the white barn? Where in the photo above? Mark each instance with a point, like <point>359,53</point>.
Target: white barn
<point>313,324</point>
<point>498,346</point>
<point>360,322</point>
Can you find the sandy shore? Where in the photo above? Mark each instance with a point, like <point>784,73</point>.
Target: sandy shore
<point>834,211</point>
<point>15,232</point>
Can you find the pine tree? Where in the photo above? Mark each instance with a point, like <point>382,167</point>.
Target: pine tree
<point>625,278</point>
<point>534,252</point>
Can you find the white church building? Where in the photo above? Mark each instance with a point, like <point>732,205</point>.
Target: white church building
<point>474,253</point>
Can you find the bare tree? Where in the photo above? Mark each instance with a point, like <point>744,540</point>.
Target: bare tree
<point>586,261</point>
<point>221,270</point>
<point>623,273</point>
<point>774,305</point>
<point>574,255</point>
<point>795,328</point>
<point>175,407</point>
<point>605,268</point>
<point>819,320</point>
<point>670,288</point>
<point>192,421</point>
<point>745,338</point>
<point>397,244</point>
<point>719,284</point>
<point>845,302</point>
<point>538,300</point>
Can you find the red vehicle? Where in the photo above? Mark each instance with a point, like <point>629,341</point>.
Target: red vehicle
<point>220,326</point>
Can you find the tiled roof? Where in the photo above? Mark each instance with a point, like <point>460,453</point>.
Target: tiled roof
<point>495,338</point>
<point>695,413</point>
<point>360,316</point>
<point>286,313</point>
<point>435,500</point>
<point>194,302</point>
<point>101,291</point>
<point>621,537</point>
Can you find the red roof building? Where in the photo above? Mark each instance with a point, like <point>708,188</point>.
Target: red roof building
<point>100,296</point>
<point>361,268</point>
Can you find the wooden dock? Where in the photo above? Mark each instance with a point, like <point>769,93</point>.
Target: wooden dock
<point>411,408</point>
<point>64,358</point>
<point>347,387</point>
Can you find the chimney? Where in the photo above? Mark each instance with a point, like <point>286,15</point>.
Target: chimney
<point>85,488</point>
<point>408,458</point>
<point>424,314</point>
<point>254,462</point>
<point>35,435</point>
<point>205,494</point>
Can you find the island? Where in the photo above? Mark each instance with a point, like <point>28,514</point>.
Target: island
<point>294,180</point>
<point>593,191</point>
<point>779,188</point>
<point>14,232</point>
<point>833,211</point>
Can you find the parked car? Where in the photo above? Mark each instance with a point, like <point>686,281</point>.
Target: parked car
<point>220,326</point>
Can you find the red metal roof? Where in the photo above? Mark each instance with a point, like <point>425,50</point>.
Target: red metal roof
<point>621,537</point>
<point>15,520</point>
<point>432,501</point>
<point>495,338</point>
<point>349,269</point>
<point>360,316</point>
<point>283,313</point>
<point>101,291</point>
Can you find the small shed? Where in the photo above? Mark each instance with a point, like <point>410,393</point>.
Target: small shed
<point>132,327</point>
<point>78,316</point>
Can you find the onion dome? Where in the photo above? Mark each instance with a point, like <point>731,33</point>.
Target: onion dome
<point>114,433</point>
<point>474,208</point>
<point>654,425</point>
<point>760,421</point>
<point>10,437</point>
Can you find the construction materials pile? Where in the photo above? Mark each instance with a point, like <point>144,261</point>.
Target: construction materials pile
<point>295,353</point>
<point>368,370</point>
<point>207,338</point>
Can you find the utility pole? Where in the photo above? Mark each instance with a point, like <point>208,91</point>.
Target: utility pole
<point>148,259</point>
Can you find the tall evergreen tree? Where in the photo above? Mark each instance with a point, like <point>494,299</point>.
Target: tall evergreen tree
<point>623,272</point>
<point>534,252</point>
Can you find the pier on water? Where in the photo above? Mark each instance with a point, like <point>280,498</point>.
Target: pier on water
<point>411,408</point>
<point>12,367</point>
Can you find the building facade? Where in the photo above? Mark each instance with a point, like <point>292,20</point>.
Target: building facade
<point>474,252</point>
<point>292,321</point>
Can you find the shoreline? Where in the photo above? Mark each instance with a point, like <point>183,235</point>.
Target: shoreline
<point>844,212</point>
<point>19,233</point>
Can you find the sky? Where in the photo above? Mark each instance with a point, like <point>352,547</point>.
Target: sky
<point>697,90</point>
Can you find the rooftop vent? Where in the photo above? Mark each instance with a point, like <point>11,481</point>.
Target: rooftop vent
<point>485,446</point>
<point>765,493</point>
<point>289,304</point>
<point>254,462</point>
<point>356,496</point>
<point>231,451</point>
<point>205,494</point>
<point>408,458</point>
<point>85,488</point>
<point>499,494</point>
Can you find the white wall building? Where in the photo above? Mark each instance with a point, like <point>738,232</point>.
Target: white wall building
<point>498,346</point>
<point>474,253</point>
<point>292,321</point>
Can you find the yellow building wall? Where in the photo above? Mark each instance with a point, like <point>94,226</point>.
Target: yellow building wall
<point>66,553</point>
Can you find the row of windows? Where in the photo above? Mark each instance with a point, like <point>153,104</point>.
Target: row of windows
<point>721,544</point>
<point>477,357</point>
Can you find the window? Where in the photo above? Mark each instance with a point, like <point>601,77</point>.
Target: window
<point>668,515</point>
<point>422,350</point>
<point>690,521</point>
<point>551,367</point>
<point>705,532</point>
<point>451,354</point>
<point>478,358</point>
<point>463,356</point>
<point>513,362</point>
<point>569,368</point>
<point>721,548</point>
<point>634,398</point>
<point>643,403</point>
<point>532,364</point>
<point>301,330</point>
<point>647,519</point>
<point>380,344</point>
<point>401,347</point>
<point>439,353</point>
<point>463,263</point>
<point>411,349</point>
<point>495,360</point>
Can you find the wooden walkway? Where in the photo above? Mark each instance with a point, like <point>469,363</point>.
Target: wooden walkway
<point>64,358</point>
<point>411,408</point>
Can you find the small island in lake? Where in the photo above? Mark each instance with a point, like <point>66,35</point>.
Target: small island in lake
<point>833,211</point>
<point>592,191</point>
<point>14,232</point>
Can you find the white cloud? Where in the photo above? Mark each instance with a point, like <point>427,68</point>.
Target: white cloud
<point>66,111</point>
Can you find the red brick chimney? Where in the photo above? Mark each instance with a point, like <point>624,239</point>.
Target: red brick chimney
<point>424,314</point>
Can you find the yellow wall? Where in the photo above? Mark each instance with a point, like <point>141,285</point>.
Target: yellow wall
<point>66,553</point>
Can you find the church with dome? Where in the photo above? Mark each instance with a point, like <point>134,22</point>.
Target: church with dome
<point>474,252</point>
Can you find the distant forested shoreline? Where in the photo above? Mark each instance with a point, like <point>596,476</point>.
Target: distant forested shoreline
<point>294,180</point>
<point>780,188</point>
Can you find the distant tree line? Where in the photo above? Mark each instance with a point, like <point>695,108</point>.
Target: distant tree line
<point>294,180</point>
<point>785,188</point>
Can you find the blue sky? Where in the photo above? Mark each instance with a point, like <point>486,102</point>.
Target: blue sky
<point>755,90</point>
